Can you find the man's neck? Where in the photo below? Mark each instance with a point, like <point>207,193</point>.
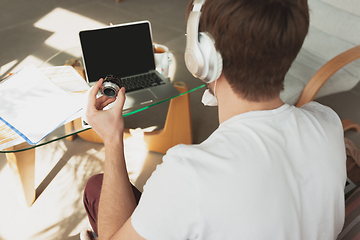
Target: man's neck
<point>230,104</point>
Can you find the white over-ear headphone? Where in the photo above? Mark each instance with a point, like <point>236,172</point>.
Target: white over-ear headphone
<point>201,57</point>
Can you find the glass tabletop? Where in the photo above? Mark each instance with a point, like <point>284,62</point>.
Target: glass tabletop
<point>178,74</point>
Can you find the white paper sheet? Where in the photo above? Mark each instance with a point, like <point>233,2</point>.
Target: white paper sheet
<point>68,79</point>
<point>33,106</point>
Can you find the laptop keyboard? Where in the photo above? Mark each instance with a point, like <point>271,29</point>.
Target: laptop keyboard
<point>141,81</point>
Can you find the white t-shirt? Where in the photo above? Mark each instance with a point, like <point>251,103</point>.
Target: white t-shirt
<point>275,174</point>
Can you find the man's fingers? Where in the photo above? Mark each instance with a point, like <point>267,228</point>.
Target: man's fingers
<point>104,102</point>
<point>92,94</point>
<point>119,104</point>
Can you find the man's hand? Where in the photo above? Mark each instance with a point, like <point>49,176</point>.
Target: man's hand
<point>109,123</point>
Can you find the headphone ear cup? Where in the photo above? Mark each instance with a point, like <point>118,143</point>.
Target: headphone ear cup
<point>212,59</point>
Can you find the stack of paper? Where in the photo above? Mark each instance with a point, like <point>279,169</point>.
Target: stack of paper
<point>33,106</point>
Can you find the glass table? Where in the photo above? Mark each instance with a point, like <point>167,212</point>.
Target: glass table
<point>178,72</point>
<point>177,128</point>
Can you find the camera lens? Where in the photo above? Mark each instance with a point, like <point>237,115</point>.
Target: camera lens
<point>110,89</point>
<point>109,92</point>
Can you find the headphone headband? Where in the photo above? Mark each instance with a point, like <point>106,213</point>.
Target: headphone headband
<point>198,5</point>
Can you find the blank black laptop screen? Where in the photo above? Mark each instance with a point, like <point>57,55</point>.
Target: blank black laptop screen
<point>119,50</point>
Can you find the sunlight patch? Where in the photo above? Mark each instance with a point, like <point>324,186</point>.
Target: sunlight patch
<point>66,26</point>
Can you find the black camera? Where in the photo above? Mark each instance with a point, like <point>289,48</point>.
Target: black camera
<point>111,86</point>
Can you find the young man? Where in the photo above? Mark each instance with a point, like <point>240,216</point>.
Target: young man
<point>270,171</point>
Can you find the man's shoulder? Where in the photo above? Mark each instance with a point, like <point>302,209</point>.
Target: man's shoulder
<point>317,108</point>
<point>322,112</point>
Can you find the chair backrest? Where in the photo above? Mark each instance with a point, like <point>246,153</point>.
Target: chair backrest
<point>334,28</point>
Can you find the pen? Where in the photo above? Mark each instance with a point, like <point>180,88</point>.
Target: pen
<point>7,77</point>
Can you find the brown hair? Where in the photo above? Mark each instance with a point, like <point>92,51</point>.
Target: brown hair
<point>258,41</point>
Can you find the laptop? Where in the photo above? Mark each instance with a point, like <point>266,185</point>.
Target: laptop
<point>125,51</point>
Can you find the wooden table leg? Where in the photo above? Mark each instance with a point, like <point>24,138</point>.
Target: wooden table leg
<point>177,127</point>
<point>22,165</point>
<point>69,128</point>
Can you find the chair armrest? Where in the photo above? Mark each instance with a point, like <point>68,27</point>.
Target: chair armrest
<point>325,72</point>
